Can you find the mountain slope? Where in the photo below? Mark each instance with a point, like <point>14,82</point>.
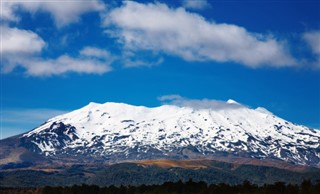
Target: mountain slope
<point>117,132</point>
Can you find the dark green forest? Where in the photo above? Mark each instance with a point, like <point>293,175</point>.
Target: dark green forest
<point>189,187</point>
<point>133,174</point>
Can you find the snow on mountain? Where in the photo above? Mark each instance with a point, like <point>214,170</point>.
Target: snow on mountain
<point>117,131</point>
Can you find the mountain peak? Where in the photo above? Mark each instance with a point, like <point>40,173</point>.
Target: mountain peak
<point>91,104</point>
<point>230,101</point>
<point>118,131</point>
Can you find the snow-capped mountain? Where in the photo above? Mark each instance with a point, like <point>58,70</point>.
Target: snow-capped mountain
<point>116,131</point>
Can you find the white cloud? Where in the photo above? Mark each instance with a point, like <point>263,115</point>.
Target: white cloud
<point>17,45</point>
<point>63,12</point>
<point>95,52</point>
<point>19,48</point>
<point>171,97</point>
<point>65,64</point>
<point>132,59</point>
<point>158,28</point>
<point>17,41</point>
<point>128,62</point>
<point>7,11</point>
<point>313,40</point>
<point>180,101</point>
<point>195,4</point>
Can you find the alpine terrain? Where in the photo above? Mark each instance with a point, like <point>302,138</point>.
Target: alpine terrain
<point>115,132</point>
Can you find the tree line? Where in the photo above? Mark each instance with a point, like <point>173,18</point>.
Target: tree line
<point>189,187</point>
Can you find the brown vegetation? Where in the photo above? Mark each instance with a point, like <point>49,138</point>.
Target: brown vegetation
<point>166,163</point>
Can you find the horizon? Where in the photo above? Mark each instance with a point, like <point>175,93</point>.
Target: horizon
<point>59,56</point>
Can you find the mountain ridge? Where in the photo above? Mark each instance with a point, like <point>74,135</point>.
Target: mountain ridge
<point>117,132</point>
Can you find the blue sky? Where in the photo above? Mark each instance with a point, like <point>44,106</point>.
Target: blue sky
<point>59,56</point>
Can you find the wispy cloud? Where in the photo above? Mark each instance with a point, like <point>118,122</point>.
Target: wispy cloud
<point>66,64</point>
<point>63,12</point>
<point>170,97</point>
<point>95,52</point>
<point>152,28</point>
<point>90,60</point>
<point>29,115</point>
<point>7,11</point>
<point>15,121</point>
<point>312,38</point>
<point>139,59</point>
<point>156,27</point>
<point>195,4</point>
<point>178,100</point>
<point>22,48</point>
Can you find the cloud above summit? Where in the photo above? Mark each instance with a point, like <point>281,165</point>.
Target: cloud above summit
<point>180,101</point>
